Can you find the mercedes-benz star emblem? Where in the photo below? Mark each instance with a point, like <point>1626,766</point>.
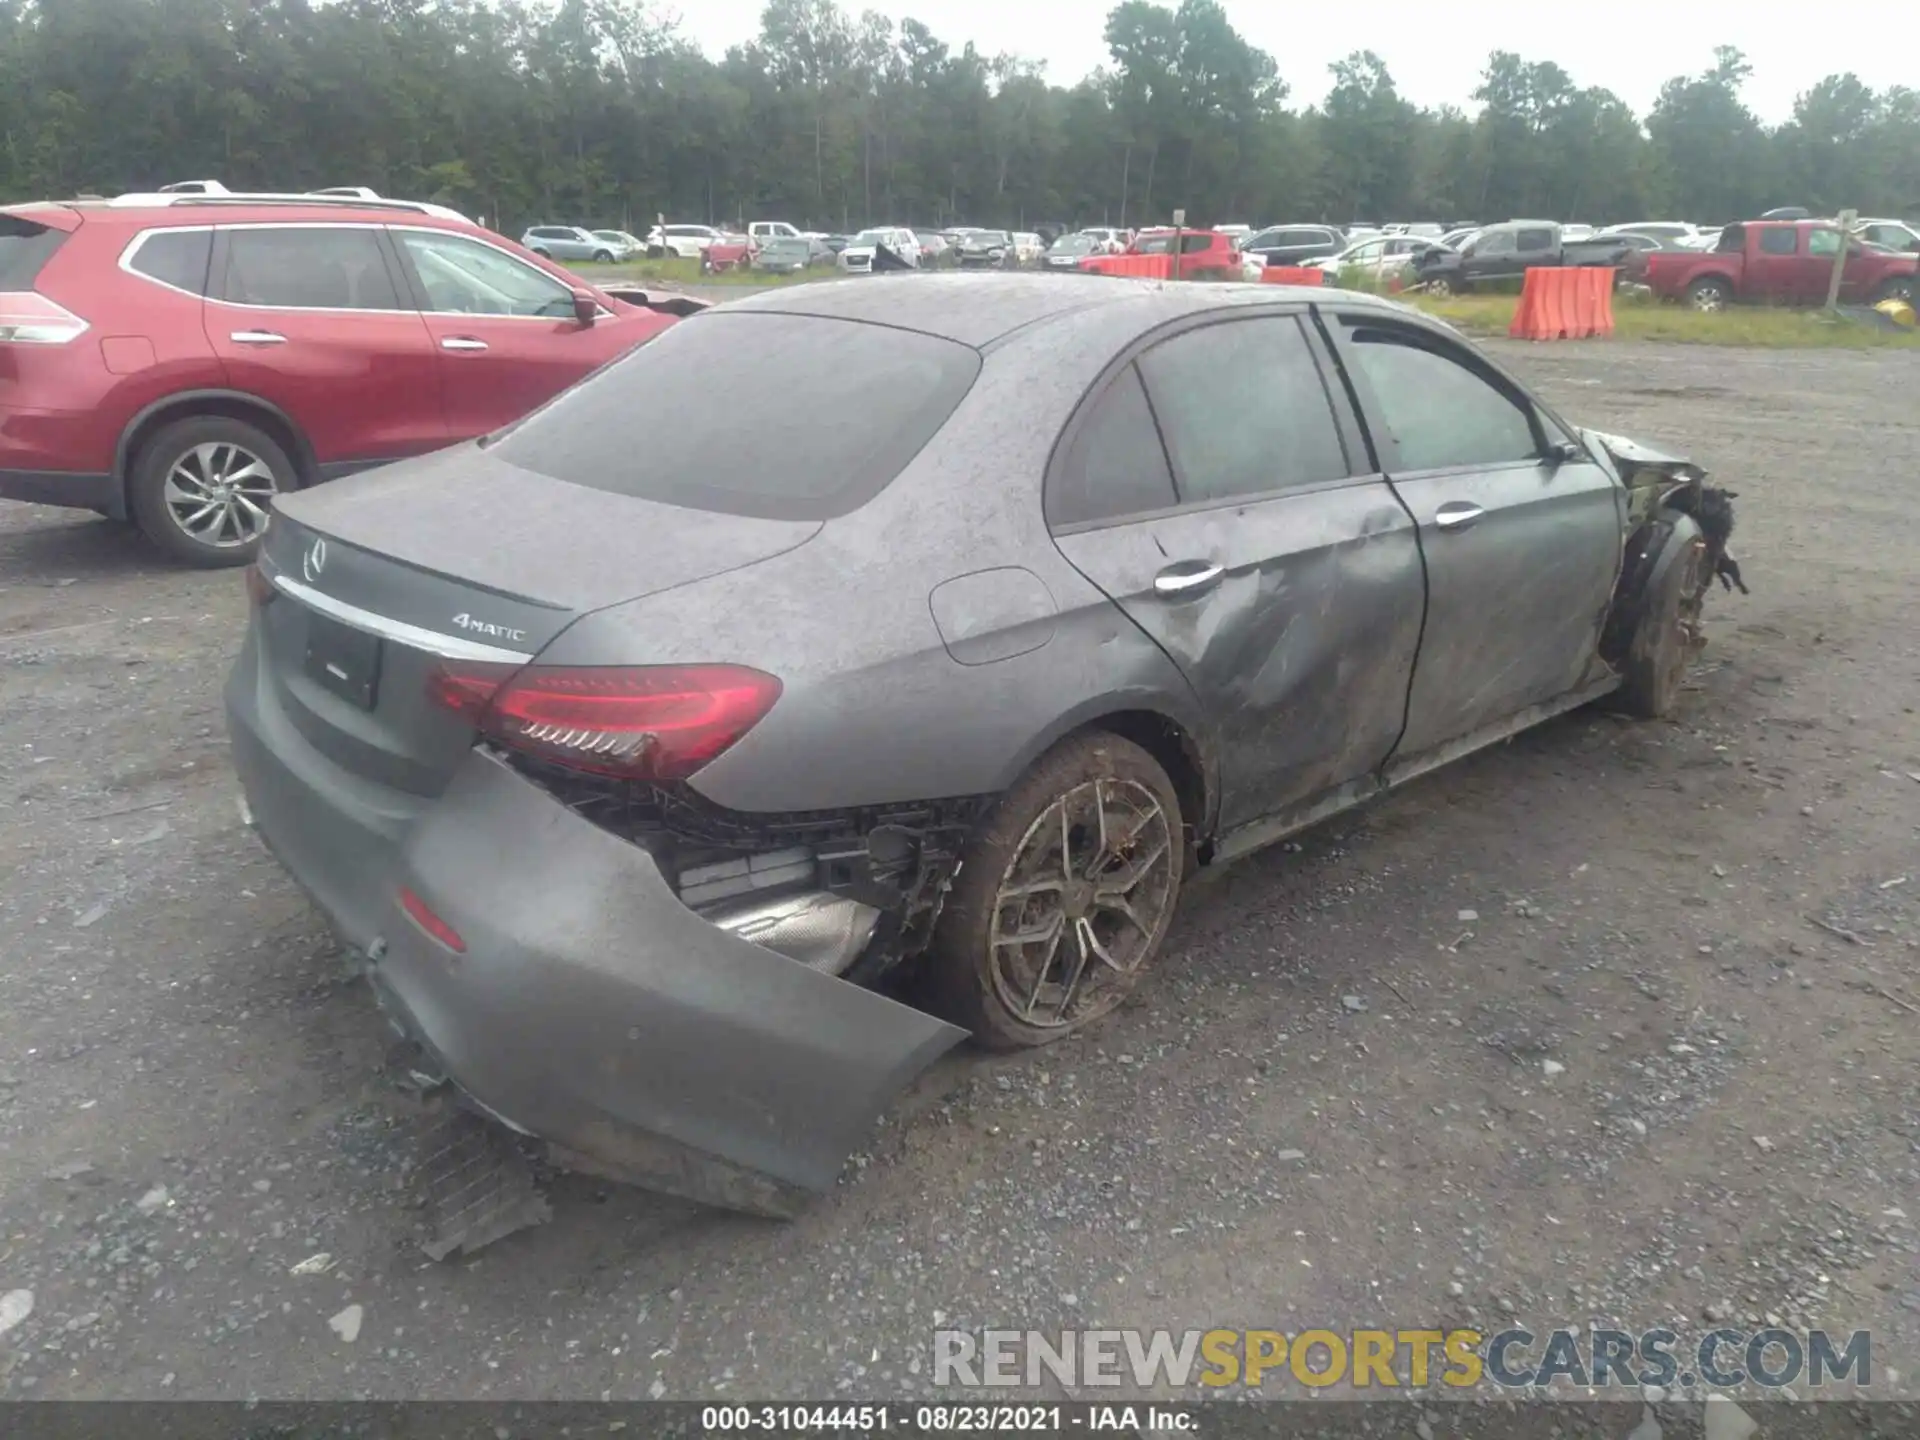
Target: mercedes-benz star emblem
<point>314,561</point>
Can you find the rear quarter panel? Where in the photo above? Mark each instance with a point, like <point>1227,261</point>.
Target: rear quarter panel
<point>145,342</point>
<point>1669,273</point>
<point>875,707</point>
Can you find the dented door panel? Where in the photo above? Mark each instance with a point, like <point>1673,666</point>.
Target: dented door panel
<point>1302,650</point>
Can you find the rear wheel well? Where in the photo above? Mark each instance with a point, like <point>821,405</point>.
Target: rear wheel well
<point>1177,754</point>
<point>231,407</point>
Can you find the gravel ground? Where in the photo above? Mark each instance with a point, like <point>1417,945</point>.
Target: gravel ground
<point>1638,1084</point>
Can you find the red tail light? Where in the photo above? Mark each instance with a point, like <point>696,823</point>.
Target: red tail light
<point>644,722</point>
<point>422,915</point>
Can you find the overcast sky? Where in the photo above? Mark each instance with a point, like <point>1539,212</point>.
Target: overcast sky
<point>1436,48</point>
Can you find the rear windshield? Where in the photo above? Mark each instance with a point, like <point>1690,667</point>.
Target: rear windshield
<point>784,417</point>
<point>24,247</point>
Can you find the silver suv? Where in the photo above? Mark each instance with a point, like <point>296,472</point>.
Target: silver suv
<point>566,242</point>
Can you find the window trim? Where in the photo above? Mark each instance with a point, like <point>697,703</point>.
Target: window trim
<point>1334,322</point>
<point>416,288</point>
<point>217,267</point>
<point>134,246</point>
<point>1363,468</point>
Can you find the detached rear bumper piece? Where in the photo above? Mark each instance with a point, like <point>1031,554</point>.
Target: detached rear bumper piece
<point>589,1007</point>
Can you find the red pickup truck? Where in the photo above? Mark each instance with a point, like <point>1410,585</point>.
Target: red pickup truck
<point>1780,262</point>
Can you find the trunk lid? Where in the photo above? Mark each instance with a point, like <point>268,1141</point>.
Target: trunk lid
<point>382,577</point>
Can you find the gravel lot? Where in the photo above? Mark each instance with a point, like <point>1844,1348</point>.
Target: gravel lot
<point>1334,1105</point>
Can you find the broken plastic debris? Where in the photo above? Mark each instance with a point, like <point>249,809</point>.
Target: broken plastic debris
<point>15,1307</point>
<point>313,1265</point>
<point>347,1323</point>
<point>1552,1067</point>
<point>153,1200</point>
<point>92,916</point>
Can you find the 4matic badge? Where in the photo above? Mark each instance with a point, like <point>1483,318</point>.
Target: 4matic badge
<point>487,627</point>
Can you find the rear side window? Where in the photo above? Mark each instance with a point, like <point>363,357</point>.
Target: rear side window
<point>1115,465</point>
<point>838,408</point>
<point>1531,240</point>
<point>1243,409</point>
<point>308,267</point>
<point>175,257</point>
<point>25,245</point>
<point>1779,241</point>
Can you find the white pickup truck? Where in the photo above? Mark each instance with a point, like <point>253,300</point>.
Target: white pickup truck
<point>771,230</point>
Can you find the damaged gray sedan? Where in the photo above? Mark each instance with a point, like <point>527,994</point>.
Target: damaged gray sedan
<point>693,762</point>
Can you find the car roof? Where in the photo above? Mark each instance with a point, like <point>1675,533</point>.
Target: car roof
<point>978,310</point>
<point>190,209</point>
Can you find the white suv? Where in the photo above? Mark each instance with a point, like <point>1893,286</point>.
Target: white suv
<point>689,242</point>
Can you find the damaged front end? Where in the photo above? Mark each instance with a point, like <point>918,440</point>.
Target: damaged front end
<point>1665,495</point>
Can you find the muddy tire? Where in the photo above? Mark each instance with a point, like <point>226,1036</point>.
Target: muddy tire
<point>1667,634</point>
<point>1064,896</point>
<point>202,489</point>
<point>1709,293</point>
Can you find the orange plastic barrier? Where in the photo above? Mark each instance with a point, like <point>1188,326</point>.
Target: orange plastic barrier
<point>1292,275</point>
<point>1134,267</point>
<point>1564,304</point>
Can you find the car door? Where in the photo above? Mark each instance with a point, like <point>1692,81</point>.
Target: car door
<point>1521,544</point>
<point>506,334</point>
<point>313,319</point>
<point>1216,488</point>
<point>1491,254</point>
<point>1775,269</point>
<point>1533,246</point>
<point>1823,243</point>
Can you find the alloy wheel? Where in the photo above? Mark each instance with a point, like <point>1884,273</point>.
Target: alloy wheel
<point>1082,902</point>
<point>220,494</point>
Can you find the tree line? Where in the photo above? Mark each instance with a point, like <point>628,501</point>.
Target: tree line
<point>600,112</point>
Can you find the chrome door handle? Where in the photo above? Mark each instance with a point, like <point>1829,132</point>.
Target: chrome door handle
<point>257,337</point>
<point>462,342</point>
<point>1187,577</point>
<point>1457,515</point>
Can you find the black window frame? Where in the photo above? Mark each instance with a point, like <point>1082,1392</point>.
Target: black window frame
<point>217,269</point>
<point>1335,321</point>
<point>1360,461</point>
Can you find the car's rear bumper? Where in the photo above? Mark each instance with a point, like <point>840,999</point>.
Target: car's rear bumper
<point>72,488</point>
<point>590,1007</point>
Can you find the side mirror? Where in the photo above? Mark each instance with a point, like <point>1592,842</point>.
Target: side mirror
<point>586,309</point>
<point>1563,452</point>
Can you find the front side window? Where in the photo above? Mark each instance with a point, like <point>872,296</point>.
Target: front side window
<point>462,276</point>
<point>308,267</point>
<point>1244,410</point>
<point>1439,412</point>
<point>1824,243</point>
<point>1500,242</point>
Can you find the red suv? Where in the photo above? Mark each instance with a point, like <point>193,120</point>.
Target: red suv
<point>178,359</point>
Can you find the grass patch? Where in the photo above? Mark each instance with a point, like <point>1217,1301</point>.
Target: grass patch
<point>1644,319</point>
<point>675,271</point>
